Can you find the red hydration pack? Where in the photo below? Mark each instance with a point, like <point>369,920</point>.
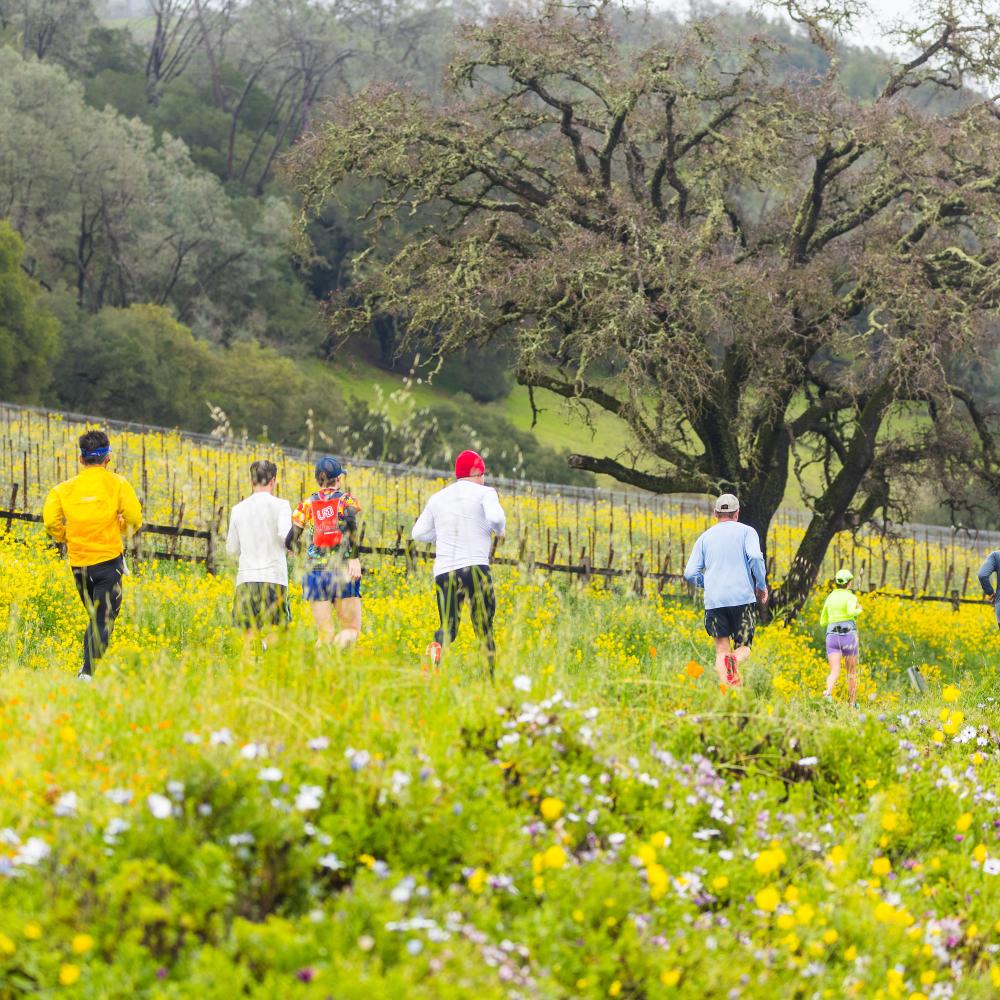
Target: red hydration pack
<point>326,521</point>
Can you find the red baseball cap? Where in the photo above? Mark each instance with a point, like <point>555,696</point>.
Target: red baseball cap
<point>469,463</point>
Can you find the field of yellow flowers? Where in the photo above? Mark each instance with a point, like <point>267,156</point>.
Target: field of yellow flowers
<point>193,481</point>
<point>600,822</point>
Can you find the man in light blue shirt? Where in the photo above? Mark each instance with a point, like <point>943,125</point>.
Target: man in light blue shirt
<point>986,571</point>
<point>728,563</point>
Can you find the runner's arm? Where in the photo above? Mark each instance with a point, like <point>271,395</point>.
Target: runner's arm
<point>695,569</point>
<point>495,517</point>
<point>233,535</point>
<point>299,520</point>
<point>54,518</point>
<point>351,540</point>
<point>129,509</point>
<point>423,530</point>
<point>755,561</point>
<point>986,571</point>
<point>856,608</point>
<point>285,521</point>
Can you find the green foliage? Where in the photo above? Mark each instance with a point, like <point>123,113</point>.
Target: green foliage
<point>122,91</point>
<point>29,334</point>
<point>269,395</point>
<point>446,838</point>
<point>183,111</point>
<point>120,215</point>
<point>137,363</point>
<point>484,373</point>
<point>397,430</point>
<point>140,364</point>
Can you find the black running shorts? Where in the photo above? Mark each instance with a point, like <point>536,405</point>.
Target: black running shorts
<point>260,606</point>
<point>736,623</point>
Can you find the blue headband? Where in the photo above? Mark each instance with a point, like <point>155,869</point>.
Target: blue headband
<point>97,452</point>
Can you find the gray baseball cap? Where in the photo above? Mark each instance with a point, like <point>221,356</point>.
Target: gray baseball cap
<point>727,504</point>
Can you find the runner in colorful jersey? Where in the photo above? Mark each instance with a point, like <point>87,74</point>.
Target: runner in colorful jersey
<point>333,575</point>
<point>839,615</point>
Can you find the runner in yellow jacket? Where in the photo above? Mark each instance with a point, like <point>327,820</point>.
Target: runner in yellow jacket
<point>89,514</point>
<point>839,617</point>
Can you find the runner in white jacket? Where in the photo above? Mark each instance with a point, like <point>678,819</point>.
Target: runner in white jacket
<point>257,530</point>
<point>461,520</point>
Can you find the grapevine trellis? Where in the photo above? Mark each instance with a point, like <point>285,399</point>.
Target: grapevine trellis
<point>188,482</point>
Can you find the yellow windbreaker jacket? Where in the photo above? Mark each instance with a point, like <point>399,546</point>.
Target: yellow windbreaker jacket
<point>90,513</point>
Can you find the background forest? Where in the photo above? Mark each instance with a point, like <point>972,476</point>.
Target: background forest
<point>146,264</point>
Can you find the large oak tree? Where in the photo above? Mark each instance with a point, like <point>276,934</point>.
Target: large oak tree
<point>753,272</point>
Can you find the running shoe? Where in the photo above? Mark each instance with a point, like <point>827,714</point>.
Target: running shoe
<point>432,656</point>
<point>732,672</point>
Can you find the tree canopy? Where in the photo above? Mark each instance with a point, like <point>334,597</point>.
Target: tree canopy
<point>759,275</point>
<point>29,334</point>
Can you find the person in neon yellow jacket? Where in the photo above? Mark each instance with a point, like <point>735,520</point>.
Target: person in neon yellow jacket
<point>839,617</point>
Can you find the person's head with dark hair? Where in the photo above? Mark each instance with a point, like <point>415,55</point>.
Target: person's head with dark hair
<point>95,448</point>
<point>328,471</point>
<point>263,474</point>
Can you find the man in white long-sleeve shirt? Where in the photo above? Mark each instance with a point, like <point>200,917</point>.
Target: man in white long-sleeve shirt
<point>258,527</point>
<point>461,520</point>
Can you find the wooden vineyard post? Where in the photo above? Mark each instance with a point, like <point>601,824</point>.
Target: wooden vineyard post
<point>210,542</point>
<point>145,475</point>
<point>639,577</point>
<point>585,566</point>
<point>664,570</point>
<point>135,549</point>
<point>172,548</point>
<point>965,582</point>
<point>10,506</point>
<point>525,556</point>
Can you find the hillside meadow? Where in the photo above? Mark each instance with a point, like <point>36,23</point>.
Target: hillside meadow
<point>600,822</point>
